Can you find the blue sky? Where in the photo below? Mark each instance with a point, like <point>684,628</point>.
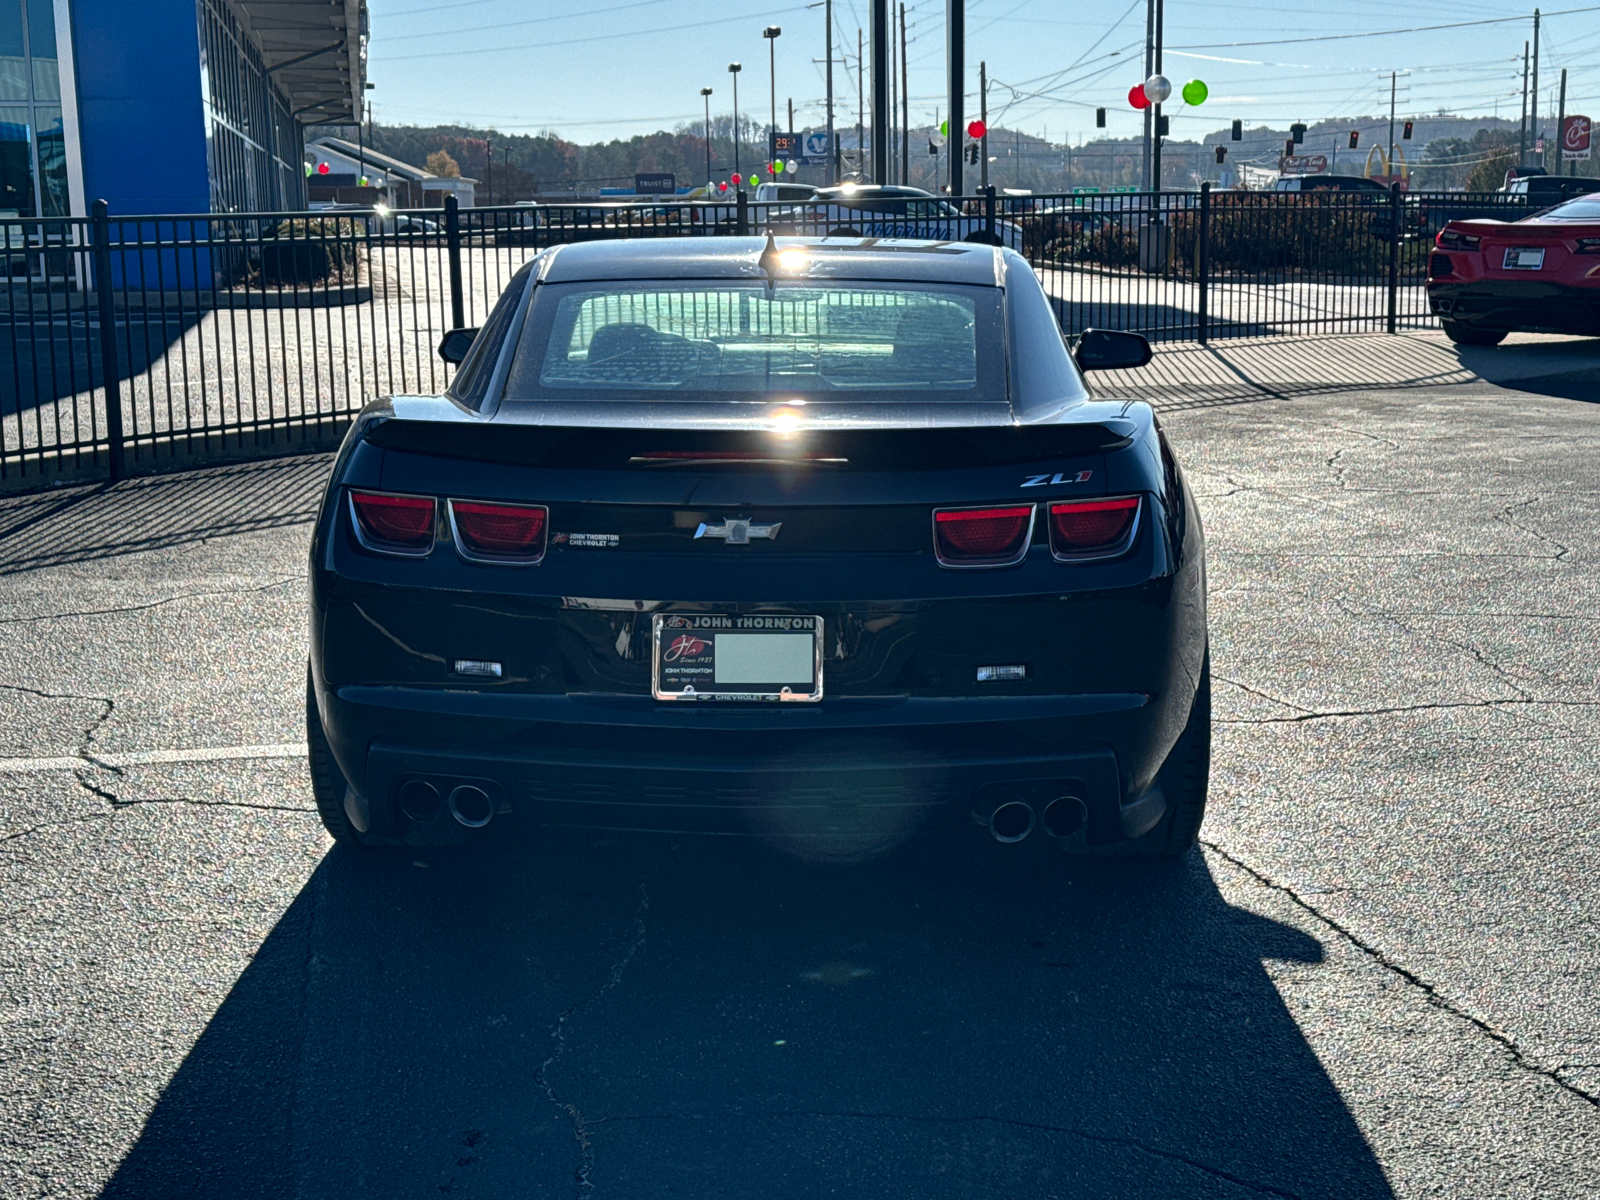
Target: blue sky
<point>613,68</point>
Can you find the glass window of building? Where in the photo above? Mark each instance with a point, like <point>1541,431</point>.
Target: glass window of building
<point>33,156</point>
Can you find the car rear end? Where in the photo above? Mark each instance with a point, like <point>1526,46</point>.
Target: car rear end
<point>827,623</point>
<point>1532,275</point>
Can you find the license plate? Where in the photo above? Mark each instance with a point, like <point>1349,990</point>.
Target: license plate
<point>701,656</point>
<point>1522,258</point>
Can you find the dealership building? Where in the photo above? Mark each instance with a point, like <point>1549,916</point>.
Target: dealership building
<point>171,106</point>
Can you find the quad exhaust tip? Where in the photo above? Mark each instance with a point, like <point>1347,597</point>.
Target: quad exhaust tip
<point>1011,821</point>
<point>471,806</point>
<point>420,800</point>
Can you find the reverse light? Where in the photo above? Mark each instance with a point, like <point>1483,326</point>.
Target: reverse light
<point>1449,239</point>
<point>499,533</point>
<point>394,524</point>
<point>1083,529</point>
<point>982,537</point>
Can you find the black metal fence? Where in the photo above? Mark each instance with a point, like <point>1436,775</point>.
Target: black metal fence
<point>230,336</point>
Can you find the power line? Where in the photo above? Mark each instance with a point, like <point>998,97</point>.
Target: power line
<point>1339,37</point>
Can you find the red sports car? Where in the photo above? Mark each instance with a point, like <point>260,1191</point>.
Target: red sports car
<point>1537,275</point>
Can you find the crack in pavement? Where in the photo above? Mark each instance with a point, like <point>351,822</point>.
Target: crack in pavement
<point>1106,1139</point>
<point>1399,708</point>
<point>1429,991</point>
<point>558,1038</point>
<point>130,608</point>
<point>1561,550</point>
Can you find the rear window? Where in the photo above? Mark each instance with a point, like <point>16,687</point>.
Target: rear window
<point>921,343</point>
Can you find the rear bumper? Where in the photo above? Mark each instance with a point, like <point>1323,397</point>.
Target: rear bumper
<point>840,773</point>
<point>1518,305</point>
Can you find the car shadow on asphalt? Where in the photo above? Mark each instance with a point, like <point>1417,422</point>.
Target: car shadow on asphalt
<point>632,1016</point>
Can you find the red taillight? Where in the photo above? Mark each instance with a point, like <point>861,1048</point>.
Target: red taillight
<point>500,532</point>
<point>396,524</point>
<point>1091,528</point>
<point>982,537</point>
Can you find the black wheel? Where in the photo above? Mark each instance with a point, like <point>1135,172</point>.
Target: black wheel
<point>1464,335</point>
<point>1184,779</point>
<point>328,784</point>
<point>842,231</point>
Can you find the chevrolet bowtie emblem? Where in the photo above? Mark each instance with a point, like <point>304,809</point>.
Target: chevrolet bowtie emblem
<point>739,533</point>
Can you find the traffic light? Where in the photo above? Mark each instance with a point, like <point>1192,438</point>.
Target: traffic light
<point>972,153</point>
<point>1355,138</point>
<point>1299,132</point>
<point>1222,153</point>
<point>1405,131</point>
<point>1099,118</point>
<point>1288,147</point>
<point>1238,131</point>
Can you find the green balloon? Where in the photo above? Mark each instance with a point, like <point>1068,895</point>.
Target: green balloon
<point>1195,92</point>
<point>944,128</point>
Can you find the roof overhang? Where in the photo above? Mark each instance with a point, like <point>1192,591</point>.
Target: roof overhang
<point>316,51</point>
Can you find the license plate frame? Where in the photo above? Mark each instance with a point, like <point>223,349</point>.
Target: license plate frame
<point>748,642</point>
<point>1523,258</point>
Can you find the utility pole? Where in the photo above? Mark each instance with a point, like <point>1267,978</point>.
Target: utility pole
<point>734,69</point>
<point>881,137</point>
<point>1155,144</point>
<point>1522,138</point>
<point>791,116</point>
<point>706,93</point>
<point>955,63</point>
<point>1534,112</point>
<point>861,103</point>
<point>905,105</point>
<point>1149,70</point>
<point>983,116</point>
<point>1561,121</point>
<point>488,184</point>
<point>771,33</point>
<point>833,148</point>
<point>894,97</point>
<point>1393,77</point>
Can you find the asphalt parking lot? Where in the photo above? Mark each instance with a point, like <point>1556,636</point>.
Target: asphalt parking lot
<point>1376,977</point>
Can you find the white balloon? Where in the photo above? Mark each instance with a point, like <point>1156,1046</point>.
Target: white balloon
<point>1157,88</point>
<point>936,138</point>
<point>791,165</point>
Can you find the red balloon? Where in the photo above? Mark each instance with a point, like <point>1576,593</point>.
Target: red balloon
<point>736,179</point>
<point>1136,96</point>
<point>722,187</point>
<point>976,129</point>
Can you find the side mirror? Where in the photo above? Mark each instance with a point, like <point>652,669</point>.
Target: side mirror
<point>455,345</point>
<point>1111,350</point>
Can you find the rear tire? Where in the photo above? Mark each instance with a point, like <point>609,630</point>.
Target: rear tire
<point>328,784</point>
<point>1184,779</point>
<point>1463,335</point>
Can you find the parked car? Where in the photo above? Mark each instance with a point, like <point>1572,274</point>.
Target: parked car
<point>1537,275</point>
<point>885,211</point>
<point>1541,191</point>
<point>1371,198</point>
<point>784,192</point>
<point>824,542</point>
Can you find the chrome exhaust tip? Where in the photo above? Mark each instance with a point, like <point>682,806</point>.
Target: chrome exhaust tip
<point>420,800</point>
<point>471,806</point>
<point>1064,816</point>
<point>1011,821</point>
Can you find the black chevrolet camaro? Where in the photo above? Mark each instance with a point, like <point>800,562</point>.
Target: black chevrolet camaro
<point>824,541</point>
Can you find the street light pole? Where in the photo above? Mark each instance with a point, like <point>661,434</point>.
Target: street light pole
<point>734,69</point>
<point>706,92</point>
<point>771,33</point>
<point>833,149</point>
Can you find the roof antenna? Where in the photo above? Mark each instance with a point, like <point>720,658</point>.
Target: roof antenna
<point>768,261</point>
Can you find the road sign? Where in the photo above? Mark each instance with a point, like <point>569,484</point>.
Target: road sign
<point>655,183</point>
<point>1123,191</point>
<point>783,145</point>
<point>1303,164</point>
<point>1575,132</point>
<point>1085,191</point>
<point>814,148</point>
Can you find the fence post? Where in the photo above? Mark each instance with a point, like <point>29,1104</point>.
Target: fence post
<point>743,226</point>
<point>1203,268</point>
<point>1396,223</point>
<point>452,239</point>
<point>110,371</point>
<point>988,211</point>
